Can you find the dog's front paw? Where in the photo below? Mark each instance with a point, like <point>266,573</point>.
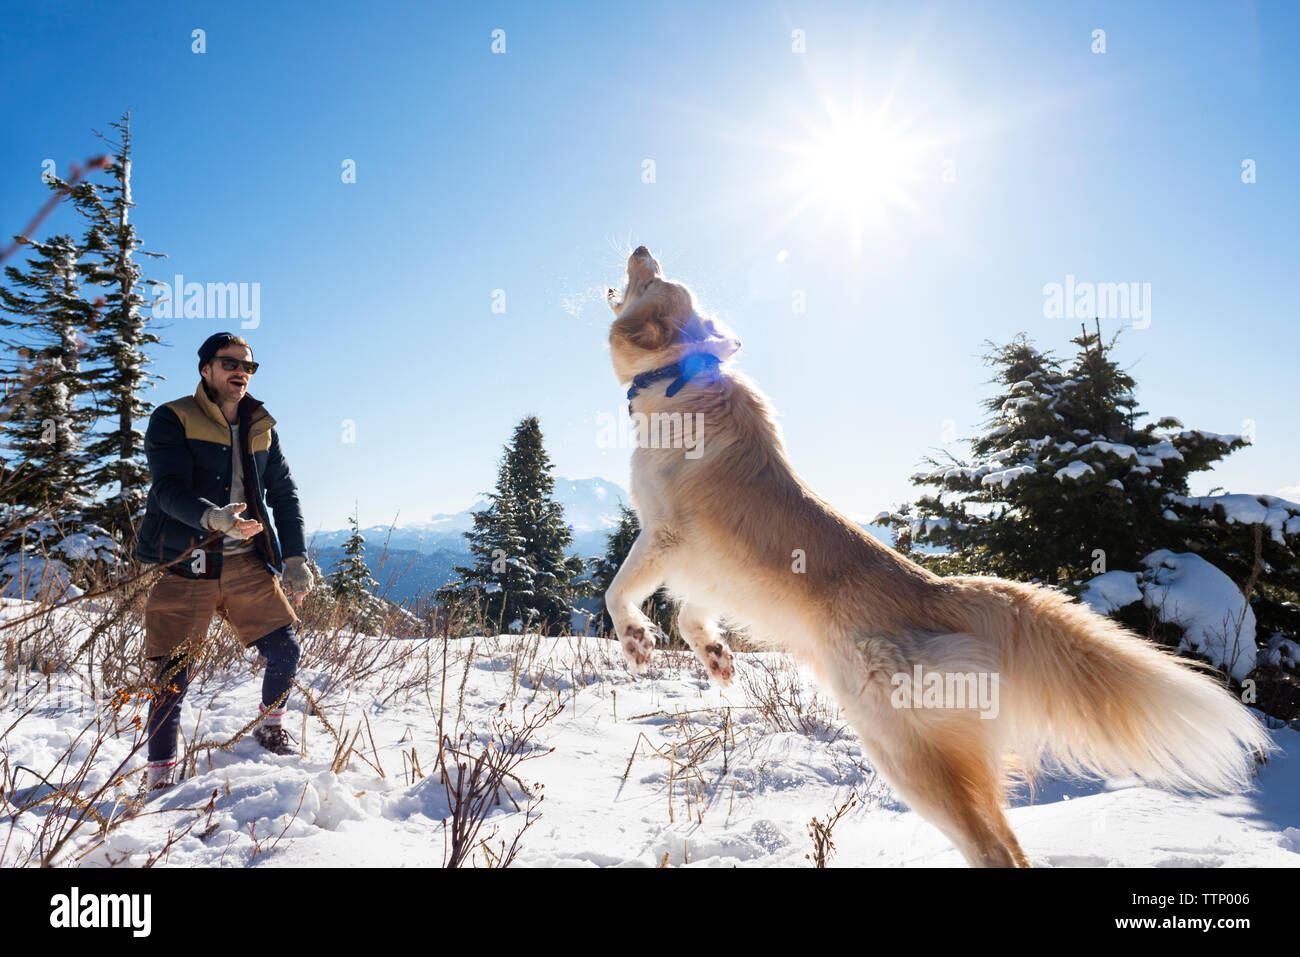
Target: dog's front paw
<point>638,642</point>
<point>716,658</point>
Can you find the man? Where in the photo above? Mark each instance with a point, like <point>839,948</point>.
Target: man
<point>212,456</point>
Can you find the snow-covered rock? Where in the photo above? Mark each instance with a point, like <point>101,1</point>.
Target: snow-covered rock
<point>1186,590</point>
<point>1108,593</point>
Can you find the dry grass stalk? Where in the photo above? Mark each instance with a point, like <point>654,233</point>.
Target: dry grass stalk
<point>820,832</point>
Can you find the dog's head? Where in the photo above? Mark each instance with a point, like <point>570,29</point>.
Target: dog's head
<point>657,323</point>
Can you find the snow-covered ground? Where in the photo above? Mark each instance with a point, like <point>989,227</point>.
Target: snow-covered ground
<point>718,778</point>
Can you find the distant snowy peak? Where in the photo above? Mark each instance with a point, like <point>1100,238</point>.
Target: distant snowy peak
<point>591,507</point>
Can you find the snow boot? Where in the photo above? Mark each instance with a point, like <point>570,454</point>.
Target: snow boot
<point>160,776</point>
<point>274,738</point>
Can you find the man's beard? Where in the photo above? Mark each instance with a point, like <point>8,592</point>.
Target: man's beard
<point>224,392</point>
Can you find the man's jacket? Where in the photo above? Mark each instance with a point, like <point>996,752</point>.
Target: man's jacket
<point>188,447</point>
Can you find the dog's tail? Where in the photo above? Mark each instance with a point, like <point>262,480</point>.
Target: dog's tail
<point>1081,693</point>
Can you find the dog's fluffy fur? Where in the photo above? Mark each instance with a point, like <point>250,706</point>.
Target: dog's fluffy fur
<point>1077,691</point>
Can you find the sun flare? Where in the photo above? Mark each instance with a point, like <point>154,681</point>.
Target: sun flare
<point>858,168</point>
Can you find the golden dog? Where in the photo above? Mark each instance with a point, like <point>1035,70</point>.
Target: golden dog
<point>732,531</point>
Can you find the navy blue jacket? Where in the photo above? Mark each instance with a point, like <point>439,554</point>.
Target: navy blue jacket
<point>188,448</point>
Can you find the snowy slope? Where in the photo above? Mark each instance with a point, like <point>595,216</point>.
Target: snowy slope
<point>744,780</point>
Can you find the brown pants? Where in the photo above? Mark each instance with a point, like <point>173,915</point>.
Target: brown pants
<point>246,595</point>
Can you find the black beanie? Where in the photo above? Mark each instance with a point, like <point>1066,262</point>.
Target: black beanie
<point>211,344</point>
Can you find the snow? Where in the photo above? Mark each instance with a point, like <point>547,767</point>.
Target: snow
<point>921,527</point>
<point>1006,477</point>
<point>1075,471</point>
<point>1157,452</point>
<point>1186,590</point>
<point>1216,436</point>
<point>1112,591</point>
<point>1279,516</point>
<point>714,778</point>
<point>1039,444</point>
<point>81,546</point>
<point>1020,403</point>
<point>33,577</point>
<point>1112,448</point>
<point>1282,652</point>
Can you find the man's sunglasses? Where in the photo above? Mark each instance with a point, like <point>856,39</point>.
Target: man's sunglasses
<point>230,365</point>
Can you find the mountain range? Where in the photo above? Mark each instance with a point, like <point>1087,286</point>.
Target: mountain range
<point>413,560</point>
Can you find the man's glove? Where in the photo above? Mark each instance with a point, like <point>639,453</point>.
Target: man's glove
<point>224,520</point>
<point>297,577</point>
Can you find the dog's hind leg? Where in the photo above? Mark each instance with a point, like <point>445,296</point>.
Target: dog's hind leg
<point>1003,826</point>
<point>943,764</point>
<point>700,630</point>
<point>948,780</point>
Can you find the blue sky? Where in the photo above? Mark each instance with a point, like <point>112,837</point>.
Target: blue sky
<point>1022,157</point>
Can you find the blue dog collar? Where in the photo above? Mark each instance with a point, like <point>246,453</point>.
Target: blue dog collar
<point>698,365</point>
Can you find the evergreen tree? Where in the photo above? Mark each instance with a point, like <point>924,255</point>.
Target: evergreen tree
<point>543,534</point>
<point>521,575</point>
<point>1062,483</point>
<point>659,608</point>
<point>1065,485</point>
<point>350,582</point>
<point>44,315</point>
<point>499,582</point>
<point>117,358</point>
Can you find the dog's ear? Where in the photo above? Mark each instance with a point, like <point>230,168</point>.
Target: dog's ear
<point>646,322</point>
<point>721,342</point>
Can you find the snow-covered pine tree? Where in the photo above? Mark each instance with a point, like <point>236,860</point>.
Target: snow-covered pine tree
<point>116,360</point>
<point>544,534</point>
<point>1066,488</point>
<point>661,609</point>
<point>44,317</point>
<point>350,582</point>
<point>522,577</point>
<point>498,583</point>
<point>1062,483</point>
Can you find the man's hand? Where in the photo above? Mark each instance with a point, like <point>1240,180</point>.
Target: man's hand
<point>297,578</point>
<point>226,520</point>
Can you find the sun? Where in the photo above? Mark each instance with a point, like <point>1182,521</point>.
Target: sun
<point>859,168</point>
